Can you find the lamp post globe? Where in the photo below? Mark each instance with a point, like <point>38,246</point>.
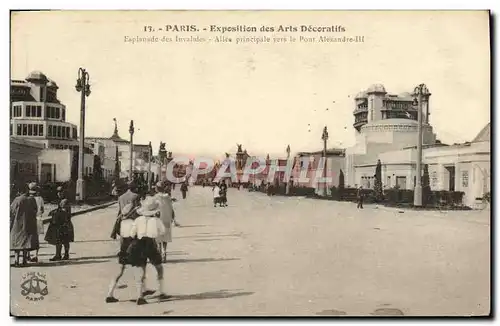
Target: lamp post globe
<point>131,150</point>
<point>420,92</point>
<point>82,86</point>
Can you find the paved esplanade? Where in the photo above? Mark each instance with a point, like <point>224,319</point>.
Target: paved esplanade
<point>281,256</point>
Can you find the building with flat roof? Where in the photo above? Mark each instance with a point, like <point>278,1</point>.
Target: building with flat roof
<point>37,115</point>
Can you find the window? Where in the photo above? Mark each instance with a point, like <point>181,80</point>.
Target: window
<point>50,131</point>
<point>39,111</point>
<point>465,179</point>
<point>30,130</point>
<point>19,130</point>
<point>57,115</point>
<point>75,135</point>
<point>59,132</point>
<point>35,130</point>
<point>401,182</point>
<point>64,116</point>
<point>11,129</point>
<point>40,130</point>
<point>68,132</point>
<point>25,129</point>
<point>33,110</point>
<point>63,132</point>
<point>434,179</point>
<point>28,110</point>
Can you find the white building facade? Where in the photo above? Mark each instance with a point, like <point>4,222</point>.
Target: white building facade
<point>386,129</point>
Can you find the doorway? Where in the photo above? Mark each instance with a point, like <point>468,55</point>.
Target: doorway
<point>451,178</point>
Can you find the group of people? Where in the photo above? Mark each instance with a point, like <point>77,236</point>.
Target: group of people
<point>219,191</point>
<point>26,223</point>
<point>144,228</point>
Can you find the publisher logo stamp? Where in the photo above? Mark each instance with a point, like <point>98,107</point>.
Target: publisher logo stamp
<point>34,286</point>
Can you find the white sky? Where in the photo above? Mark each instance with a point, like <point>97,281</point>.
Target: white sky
<point>202,99</point>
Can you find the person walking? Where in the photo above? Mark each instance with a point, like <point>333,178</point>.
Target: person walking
<point>216,194</point>
<point>39,218</point>
<point>61,231</point>
<point>114,190</point>
<point>23,226</point>
<point>139,231</point>
<point>184,189</point>
<point>129,197</point>
<point>360,197</point>
<point>223,193</point>
<point>167,216</point>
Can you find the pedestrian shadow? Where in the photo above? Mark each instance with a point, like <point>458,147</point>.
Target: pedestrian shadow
<point>96,257</point>
<point>200,260</point>
<point>221,294</point>
<point>91,241</point>
<point>192,226</point>
<point>216,239</point>
<point>233,235</point>
<point>60,263</point>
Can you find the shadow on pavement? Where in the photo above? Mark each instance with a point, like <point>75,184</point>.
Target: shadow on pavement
<point>201,260</point>
<point>60,263</point>
<point>221,294</point>
<point>216,239</point>
<point>89,241</point>
<point>234,235</point>
<point>192,226</point>
<point>96,257</point>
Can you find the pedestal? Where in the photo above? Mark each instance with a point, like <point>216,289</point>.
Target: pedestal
<point>417,196</point>
<point>80,190</point>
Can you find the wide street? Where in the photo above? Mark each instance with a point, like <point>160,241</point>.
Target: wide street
<point>279,256</point>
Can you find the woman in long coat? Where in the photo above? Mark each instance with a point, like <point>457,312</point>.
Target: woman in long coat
<point>167,216</point>
<point>60,231</point>
<point>23,227</point>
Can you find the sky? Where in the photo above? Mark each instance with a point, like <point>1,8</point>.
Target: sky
<point>204,98</point>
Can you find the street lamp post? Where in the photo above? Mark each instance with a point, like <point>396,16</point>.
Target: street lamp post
<point>83,87</point>
<point>420,91</point>
<point>131,131</point>
<point>324,137</point>
<point>287,158</point>
<point>150,180</point>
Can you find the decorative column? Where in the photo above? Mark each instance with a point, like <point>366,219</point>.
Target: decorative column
<point>287,158</point>
<point>83,87</point>
<point>324,137</point>
<point>131,170</point>
<point>421,91</point>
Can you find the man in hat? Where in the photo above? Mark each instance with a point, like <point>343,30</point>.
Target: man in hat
<point>129,197</point>
<point>23,228</point>
<point>359,197</point>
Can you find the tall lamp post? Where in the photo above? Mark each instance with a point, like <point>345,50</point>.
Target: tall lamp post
<point>324,137</point>
<point>287,158</point>
<point>131,131</point>
<point>150,156</point>
<point>83,87</point>
<point>420,91</point>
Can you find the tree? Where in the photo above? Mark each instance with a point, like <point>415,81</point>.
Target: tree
<point>341,184</point>
<point>379,195</point>
<point>117,170</point>
<point>426,186</point>
<point>97,169</point>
